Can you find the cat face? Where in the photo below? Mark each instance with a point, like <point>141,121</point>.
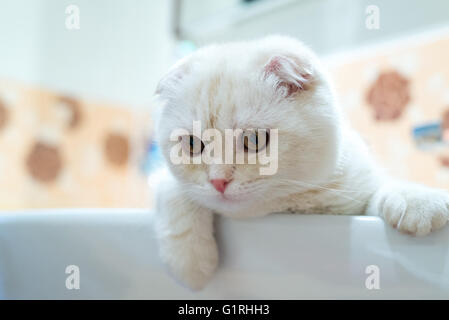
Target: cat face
<point>274,84</point>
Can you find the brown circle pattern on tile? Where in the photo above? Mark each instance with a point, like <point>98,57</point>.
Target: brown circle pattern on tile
<point>445,122</point>
<point>389,95</point>
<point>3,115</point>
<point>44,162</point>
<point>444,161</point>
<point>117,149</point>
<point>74,107</point>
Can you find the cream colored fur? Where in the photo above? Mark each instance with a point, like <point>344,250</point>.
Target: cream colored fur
<point>324,167</point>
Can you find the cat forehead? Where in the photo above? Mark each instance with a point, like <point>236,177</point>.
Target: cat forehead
<point>224,102</point>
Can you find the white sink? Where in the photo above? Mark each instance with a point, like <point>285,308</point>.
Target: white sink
<point>282,256</point>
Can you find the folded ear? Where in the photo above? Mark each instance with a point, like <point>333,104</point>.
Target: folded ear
<point>170,81</point>
<point>291,76</point>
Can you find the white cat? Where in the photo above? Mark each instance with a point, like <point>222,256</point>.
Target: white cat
<point>323,165</point>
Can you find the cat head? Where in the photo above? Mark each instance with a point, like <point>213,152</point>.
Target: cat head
<point>257,89</point>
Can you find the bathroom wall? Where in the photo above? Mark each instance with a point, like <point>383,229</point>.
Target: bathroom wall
<point>74,104</point>
<point>326,25</point>
<point>118,54</point>
<point>390,93</point>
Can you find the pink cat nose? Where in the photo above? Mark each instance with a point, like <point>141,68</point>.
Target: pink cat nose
<point>220,184</point>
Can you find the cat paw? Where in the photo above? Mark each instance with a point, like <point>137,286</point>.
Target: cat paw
<point>191,259</point>
<point>415,210</point>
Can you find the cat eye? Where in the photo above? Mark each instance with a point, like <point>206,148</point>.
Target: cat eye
<point>255,140</point>
<point>192,145</point>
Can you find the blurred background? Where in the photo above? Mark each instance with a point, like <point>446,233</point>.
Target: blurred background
<point>77,79</point>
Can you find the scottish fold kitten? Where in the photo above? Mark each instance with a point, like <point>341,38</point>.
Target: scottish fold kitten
<point>322,166</point>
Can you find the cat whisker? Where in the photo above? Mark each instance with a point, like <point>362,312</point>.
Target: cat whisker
<point>336,191</point>
<point>322,187</point>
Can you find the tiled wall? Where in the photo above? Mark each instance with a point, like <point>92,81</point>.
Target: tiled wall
<point>388,91</point>
<point>61,151</point>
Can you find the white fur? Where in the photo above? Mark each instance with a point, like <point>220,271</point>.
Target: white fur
<point>324,167</point>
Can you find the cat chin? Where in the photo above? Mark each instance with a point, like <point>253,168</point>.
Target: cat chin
<point>225,201</point>
<point>227,204</point>
<point>237,209</point>
<point>242,212</point>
